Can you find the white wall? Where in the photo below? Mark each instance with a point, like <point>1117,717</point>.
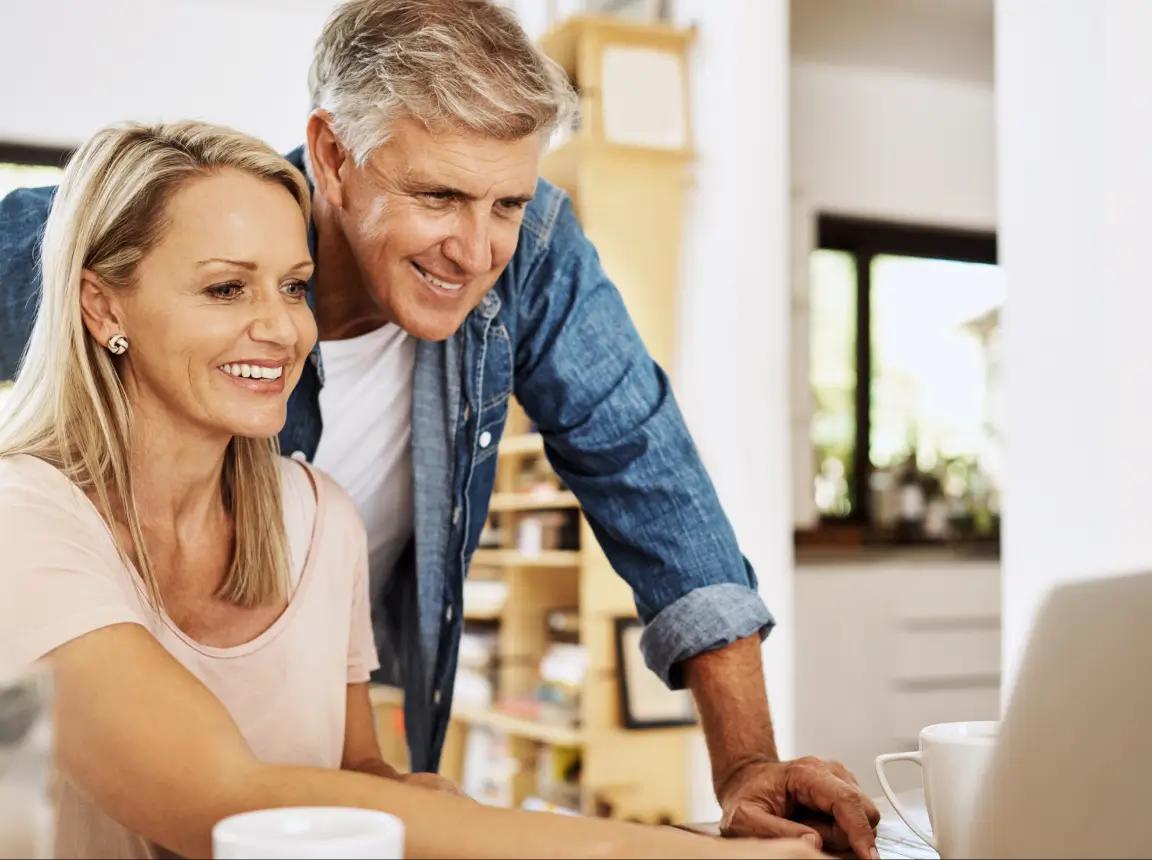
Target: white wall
<point>733,348</point>
<point>881,144</point>
<point>1075,124</point>
<point>70,67</point>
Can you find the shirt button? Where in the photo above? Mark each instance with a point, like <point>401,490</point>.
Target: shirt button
<point>485,439</point>
<point>299,455</point>
<point>436,698</point>
<point>456,515</point>
<point>448,613</point>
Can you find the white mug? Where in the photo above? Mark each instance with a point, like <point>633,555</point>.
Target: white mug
<point>954,757</point>
<point>309,833</point>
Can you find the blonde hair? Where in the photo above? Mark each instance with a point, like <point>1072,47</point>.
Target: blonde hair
<point>457,64</point>
<point>68,405</point>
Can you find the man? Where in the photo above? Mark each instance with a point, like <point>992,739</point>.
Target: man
<point>449,277</point>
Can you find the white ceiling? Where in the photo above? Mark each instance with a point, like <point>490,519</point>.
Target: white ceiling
<point>950,38</point>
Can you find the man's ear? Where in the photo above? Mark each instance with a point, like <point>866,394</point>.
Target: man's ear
<point>328,158</point>
<point>98,305</point>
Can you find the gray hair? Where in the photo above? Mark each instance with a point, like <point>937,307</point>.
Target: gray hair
<point>449,64</point>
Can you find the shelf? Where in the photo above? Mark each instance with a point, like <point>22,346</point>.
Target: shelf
<point>483,614</point>
<point>518,446</point>
<point>514,558</point>
<point>532,501</point>
<point>385,694</point>
<point>546,733</point>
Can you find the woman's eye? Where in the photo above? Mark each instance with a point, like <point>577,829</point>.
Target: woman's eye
<point>225,291</point>
<point>295,289</point>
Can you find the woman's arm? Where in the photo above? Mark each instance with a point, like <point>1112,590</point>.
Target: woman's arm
<point>160,754</point>
<point>362,748</point>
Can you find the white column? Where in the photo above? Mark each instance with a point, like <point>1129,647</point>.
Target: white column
<point>1075,166</point>
<point>732,373</point>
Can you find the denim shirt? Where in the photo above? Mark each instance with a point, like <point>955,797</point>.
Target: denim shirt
<point>553,332</point>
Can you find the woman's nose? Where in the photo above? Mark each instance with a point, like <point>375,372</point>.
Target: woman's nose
<point>273,323</point>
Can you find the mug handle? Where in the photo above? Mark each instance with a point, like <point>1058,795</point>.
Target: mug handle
<point>882,760</point>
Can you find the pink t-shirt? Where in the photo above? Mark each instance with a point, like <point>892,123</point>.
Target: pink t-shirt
<point>61,577</point>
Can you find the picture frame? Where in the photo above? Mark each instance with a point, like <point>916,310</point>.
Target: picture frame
<point>645,703</point>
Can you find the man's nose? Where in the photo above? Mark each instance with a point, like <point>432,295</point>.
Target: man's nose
<point>470,245</point>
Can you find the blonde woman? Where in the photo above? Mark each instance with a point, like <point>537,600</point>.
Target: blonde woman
<point>201,601</point>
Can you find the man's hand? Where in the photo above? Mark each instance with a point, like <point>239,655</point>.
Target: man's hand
<point>807,798</point>
<point>761,795</point>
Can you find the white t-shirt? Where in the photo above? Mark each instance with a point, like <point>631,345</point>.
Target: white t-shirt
<point>366,407</point>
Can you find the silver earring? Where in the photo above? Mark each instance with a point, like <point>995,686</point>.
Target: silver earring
<point>117,344</point>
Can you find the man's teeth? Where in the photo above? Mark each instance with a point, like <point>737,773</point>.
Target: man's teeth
<point>444,285</point>
<point>253,371</point>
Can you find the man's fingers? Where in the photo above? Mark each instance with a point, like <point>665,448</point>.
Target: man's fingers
<point>750,820</point>
<point>832,835</point>
<point>813,785</point>
<point>839,770</point>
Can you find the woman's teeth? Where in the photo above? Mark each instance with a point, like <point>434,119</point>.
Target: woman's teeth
<point>436,282</point>
<point>253,371</point>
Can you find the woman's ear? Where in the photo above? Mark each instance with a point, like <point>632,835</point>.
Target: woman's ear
<point>327,157</point>
<point>99,308</point>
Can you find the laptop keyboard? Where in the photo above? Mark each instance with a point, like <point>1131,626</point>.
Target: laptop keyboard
<point>895,840</point>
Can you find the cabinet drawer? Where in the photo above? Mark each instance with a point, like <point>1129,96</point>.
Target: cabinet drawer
<point>949,594</point>
<point>910,710</point>
<point>946,650</point>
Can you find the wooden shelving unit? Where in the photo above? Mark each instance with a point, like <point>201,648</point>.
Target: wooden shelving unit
<point>562,558</point>
<point>525,443</point>
<point>640,774</point>
<point>512,501</point>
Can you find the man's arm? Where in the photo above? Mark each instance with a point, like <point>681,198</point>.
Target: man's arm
<point>23,214</point>
<point>613,432</point>
<point>805,798</point>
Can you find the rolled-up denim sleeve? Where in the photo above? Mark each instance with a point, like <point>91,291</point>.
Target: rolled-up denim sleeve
<point>614,434</point>
<point>704,619</point>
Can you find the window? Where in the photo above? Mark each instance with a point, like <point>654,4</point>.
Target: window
<point>904,346</point>
<point>24,166</point>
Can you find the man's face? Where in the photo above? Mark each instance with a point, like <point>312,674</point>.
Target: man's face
<point>433,219</point>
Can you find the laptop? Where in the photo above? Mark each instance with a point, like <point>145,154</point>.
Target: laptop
<point>1071,774</point>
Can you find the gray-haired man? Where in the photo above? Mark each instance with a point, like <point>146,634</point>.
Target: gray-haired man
<point>449,277</point>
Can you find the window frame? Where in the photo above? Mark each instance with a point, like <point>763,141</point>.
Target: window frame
<point>34,154</point>
<point>865,239</point>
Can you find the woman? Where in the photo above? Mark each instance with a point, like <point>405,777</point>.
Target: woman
<point>201,601</point>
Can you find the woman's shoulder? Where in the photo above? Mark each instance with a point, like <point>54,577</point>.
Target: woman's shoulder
<point>314,488</point>
<point>36,499</point>
<point>25,479</point>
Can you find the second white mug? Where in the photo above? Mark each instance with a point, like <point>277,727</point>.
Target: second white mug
<point>954,757</point>
<point>309,833</point>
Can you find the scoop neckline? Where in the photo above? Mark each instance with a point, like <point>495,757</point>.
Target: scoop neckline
<point>272,630</point>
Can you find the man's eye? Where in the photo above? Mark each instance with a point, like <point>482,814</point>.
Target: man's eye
<point>513,205</point>
<point>440,196</point>
<point>295,289</point>
<point>225,291</point>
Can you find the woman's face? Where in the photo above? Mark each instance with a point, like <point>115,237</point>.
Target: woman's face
<point>217,324</point>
